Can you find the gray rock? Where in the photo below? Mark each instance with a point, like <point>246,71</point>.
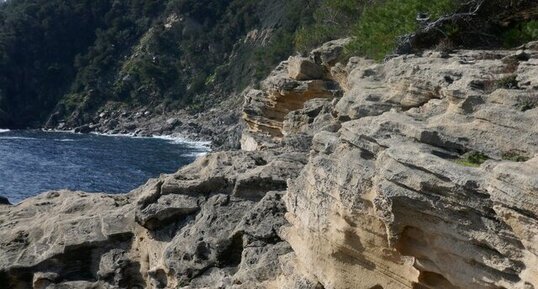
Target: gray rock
<point>4,201</point>
<point>83,129</point>
<point>61,232</point>
<point>422,174</point>
<point>167,208</point>
<point>43,279</point>
<point>173,122</point>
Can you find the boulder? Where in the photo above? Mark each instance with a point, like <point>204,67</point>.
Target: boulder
<point>83,129</point>
<point>173,122</point>
<point>330,52</point>
<point>304,69</point>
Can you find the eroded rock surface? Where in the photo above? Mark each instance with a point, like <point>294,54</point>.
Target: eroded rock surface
<point>288,87</point>
<point>59,236</point>
<point>213,224</point>
<point>420,172</point>
<point>388,202</point>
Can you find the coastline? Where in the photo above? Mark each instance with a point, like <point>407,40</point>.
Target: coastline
<point>218,128</point>
<point>173,138</point>
<point>346,192</point>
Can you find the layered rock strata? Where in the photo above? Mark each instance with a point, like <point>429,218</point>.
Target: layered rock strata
<point>289,86</point>
<point>395,199</point>
<point>420,172</point>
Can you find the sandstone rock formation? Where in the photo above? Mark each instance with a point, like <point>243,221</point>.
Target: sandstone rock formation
<point>420,172</point>
<point>288,87</point>
<point>388,202</point>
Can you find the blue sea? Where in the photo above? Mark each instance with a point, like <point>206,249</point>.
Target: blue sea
<point>32,162</point>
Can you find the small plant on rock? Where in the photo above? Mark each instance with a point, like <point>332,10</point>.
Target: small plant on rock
<point>528,104</point>
<point>514,156</point>
<point>472,159</point>
<point>509,82</point>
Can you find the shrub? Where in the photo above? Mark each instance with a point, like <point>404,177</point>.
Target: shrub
<point>528,104</point>
<point>278,49</point>
<point>521,33</point>
<point>332,19</point>
<point>377,31</point>
<point>509,82</point>
<point>308,37</point>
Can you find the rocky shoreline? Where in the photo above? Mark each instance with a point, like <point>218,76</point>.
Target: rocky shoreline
<point>220,126</point>
<point>420,172</point>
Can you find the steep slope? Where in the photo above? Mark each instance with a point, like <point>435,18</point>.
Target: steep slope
<point>45,44</point>
<point>71,59</point>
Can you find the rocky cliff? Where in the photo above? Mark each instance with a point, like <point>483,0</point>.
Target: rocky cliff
<point>419,172</point>
<point>431,180</point>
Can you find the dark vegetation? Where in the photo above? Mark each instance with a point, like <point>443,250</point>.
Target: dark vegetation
<point>50,48</point>
<point>472,159</point>
<point>514,156</point>
<point>381,27</point>
<point>71,57</point>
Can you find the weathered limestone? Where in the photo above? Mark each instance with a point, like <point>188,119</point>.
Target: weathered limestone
<point>213,223</point>
<point>384,203</point>
<point>300,68</point>
<point>288,87</point>
<point>421,172</point>
<point>60,234</point>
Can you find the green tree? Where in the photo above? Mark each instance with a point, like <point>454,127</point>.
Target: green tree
<point>377,31</point>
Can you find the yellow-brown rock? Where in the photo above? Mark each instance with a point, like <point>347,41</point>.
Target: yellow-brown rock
<point>392,199</point>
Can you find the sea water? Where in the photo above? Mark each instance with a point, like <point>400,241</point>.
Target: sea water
<point>32,162</point>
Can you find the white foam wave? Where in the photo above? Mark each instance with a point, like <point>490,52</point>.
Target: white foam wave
<point>3,130</point>
<point>18,137</point>
<point>116,134</point>
<point>194,154</point>
<point>205,145</point>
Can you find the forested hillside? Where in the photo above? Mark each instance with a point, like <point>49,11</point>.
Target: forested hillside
<point>71,57</point>
<point>74,55</point>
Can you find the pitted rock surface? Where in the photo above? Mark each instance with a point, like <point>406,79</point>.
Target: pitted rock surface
<point>388,200</point>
